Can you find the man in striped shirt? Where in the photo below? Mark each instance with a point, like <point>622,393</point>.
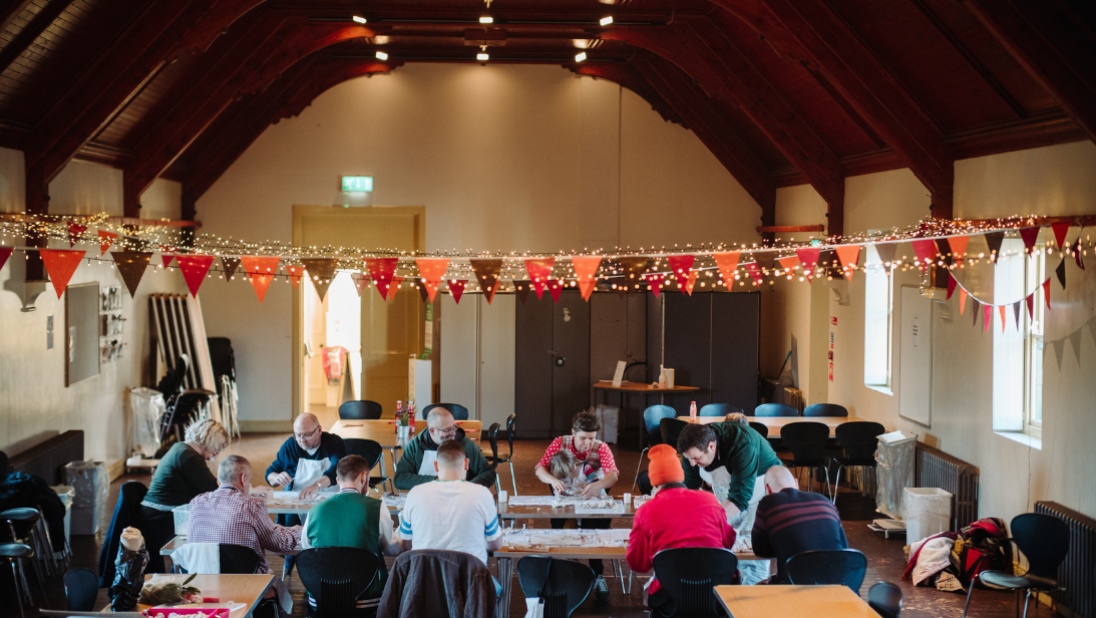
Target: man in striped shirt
<point>790,521</point>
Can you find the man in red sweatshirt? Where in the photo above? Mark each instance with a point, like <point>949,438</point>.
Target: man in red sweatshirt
<point>674,517</point>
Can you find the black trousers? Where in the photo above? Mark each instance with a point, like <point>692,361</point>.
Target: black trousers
<point>661,604</point>
<point>597,566</point>
<point>158,529</point>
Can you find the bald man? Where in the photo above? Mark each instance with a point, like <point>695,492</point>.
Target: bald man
<point>790,521</point>
<point>306,462</point>
<point>416,466</point>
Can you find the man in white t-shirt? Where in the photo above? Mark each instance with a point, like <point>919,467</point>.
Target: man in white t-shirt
<point>450,513</point>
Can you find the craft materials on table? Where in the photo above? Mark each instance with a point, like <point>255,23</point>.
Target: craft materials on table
<point>580,504</point>
<point>395,502</point>
<point>743,544</point>
<point>292,498</point>
<point>641,500</point>
<point>193,610</point>
<point>537,539</point>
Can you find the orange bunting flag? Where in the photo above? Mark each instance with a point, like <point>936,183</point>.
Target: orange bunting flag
<point>75,232</point>
<point>690,282</point>
<point>295,274</point>
<point>106,239</point>
<point>1001,309</point>
<point>555,286</point>
<point>456,288</point>
<point>540,271</point>
<point>586,272</point>
<point>60,265</point>
<point>958,246</point>
<point>432,271</point>
<point>988,317</point>
<point>849,256</point>
<point>487,273</point>
<point>394,287</point>
<point>5,253</point>
<point>260,272</point>
<point>728,264</point>
<point>962,300</point>
<point>654,281</point>
<point>194,269</point>
<point>789,263</point>
<point>681,265</point>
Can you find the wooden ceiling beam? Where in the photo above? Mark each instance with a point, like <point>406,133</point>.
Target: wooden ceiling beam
<point>32,31</point>
<point>629,77</point>
<point>874,93</point>
<point>218,16</point>
<point>1052,48</point>
<point>754,15</point>
<point>10,11</point>
<point>331,74</point>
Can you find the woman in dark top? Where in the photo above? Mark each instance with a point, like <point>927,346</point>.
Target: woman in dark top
<point>180,477</point>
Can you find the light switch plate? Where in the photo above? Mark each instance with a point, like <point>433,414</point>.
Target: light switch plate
<point>49,332</point>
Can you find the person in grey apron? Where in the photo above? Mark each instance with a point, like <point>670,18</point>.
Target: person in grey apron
<point>306,462</point>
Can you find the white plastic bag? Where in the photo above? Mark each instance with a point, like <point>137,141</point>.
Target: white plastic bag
<point>144,407</point>
<point>535,607</point>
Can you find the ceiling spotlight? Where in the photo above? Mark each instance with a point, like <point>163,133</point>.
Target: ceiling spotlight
<point>359,19</point>
<point>382,56</point>
<point>487,20</point>
<point>483,57</point>
<point>605,21</point>
<point>579,57</point>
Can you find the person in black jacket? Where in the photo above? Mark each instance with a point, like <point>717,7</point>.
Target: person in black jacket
<point>306,462</point>
<point>19,490</point>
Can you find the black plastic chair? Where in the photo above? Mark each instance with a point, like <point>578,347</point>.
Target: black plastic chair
<point>718,409</point>
<point>372,452</point>
<point>493,455</point>
<point>760,428</point>
<point>652,419</point>
<point>509,459</point>
<point>23,525</point>
<point>360,410</point>
<point>807,442</point>
<point>15,554</point>
<point>671,430</point>
<point>828,567</point>
<point>1044,541</point>
<point>459,412</point>
<point>825,409</point>
<point>81,589</point>
<point>886,599</point>
<point>238,560</point>
<point>563,584</point>
<point>775,409</point>
<point>859,440</point>
<point>688,574</point>
<point>334,578</point>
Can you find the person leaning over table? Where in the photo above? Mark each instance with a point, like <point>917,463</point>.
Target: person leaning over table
<point>732,458</point>
<point>599,463</point>
<point>306,462</point>
<point>416,465</point>
<point>179,478</point>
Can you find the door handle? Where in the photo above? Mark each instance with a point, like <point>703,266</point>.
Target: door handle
<point>551,353</point>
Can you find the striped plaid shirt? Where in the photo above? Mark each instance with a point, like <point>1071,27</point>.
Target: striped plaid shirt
<point>229,516</point>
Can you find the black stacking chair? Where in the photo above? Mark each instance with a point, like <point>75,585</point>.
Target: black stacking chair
<point>775,409</point>
<point>1044,541</point>
<point>807,442</point>
<point>718,409</point>
<point>511,422</point>
<point>372,452</point>
<point>238,560</point>
<point>81,589</point>
<point>334,578</point>
<point>459,412</point>
<point>760,428</point>
<point>562,584</point>
<point>493,455</point>
<point>360,410</point>
<point>828,567</point>
<point>15,554</point>
<point>825,409</point>
<point>688,574</point>
<point>886,599</point>
<point>23,525</point>
<point>671,430</point>
<point>859,440</point>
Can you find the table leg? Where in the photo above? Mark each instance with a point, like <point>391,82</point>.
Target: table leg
<point>506,580</point>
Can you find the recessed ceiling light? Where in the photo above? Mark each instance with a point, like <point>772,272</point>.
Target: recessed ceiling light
<point>359,19</point>
<point>579,57</point>
<point>605,21</point>
<point>483,57</point>
<point>382,56</point>
<point>487,20</point>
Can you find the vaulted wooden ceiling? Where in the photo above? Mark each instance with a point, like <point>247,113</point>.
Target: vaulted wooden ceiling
<point>782,92</point>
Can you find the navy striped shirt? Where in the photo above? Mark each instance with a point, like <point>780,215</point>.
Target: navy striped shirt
<point>793,521</point>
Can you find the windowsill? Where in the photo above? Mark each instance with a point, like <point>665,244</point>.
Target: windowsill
<point>882,388</point>
<point>1022,438</point>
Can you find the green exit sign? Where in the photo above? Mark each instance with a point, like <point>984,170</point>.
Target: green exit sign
<point>357,183</point>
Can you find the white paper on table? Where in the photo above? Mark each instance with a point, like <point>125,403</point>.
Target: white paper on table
<point>618,376</point>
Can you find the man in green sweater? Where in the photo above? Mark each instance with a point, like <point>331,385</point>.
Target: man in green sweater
<point>417,463</point>
<point>733,459</point>
<point>351,519</point>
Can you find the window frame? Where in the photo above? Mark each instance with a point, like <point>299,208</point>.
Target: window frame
<point>888,340</point>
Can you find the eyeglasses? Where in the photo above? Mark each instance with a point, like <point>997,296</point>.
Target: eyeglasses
<point>308,435</point>
<point>448,432</point>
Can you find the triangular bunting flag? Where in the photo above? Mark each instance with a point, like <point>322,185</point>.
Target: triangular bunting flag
<point>487,273</point>
<point>1046,291</point>
<point>958,246</point>
<point>962,300</point>
<point>1060,231</point>
<point>423,292</point>
<point>540,271</point>
<point>131,266</point>
<point>494,291</point>
<point>1030,235</point>
<point>359,282</point>
<point>106,239</point>
<point>951,287</point>
<point>828,260</point>
<point>1030,298</point>
<point>322,272</point>
<point>680,265</point>
<point>925,250</point>
<point>194,269</point>
<point>432,271</point>
<point>1061,272</point>
<point>886,251</point>
<point>586,272</point>
<point>521,288</point>
<point>393,287</point>
<point>633,268</point>
<point>849,256</point>
<point>755,272</point>
<point>60,265</point>
<point>295,274</point>
<point>260,272</point>
<point>727,262</point>
<point>456,288</point>
<point>994,240</point>
<point>944,249</point>
<point>555,286</point>
<point>690,282</point>
<point>1077,254</point>
<point>974,310</point>
<point>789,264</point>
<point>230,264</point>
<point>765,260</point>
<point>988,309</point>
<point>5,253</point>
<point>167,257</point>
<point>76,231</point>
<point>1016,314</point>
<point>654,282</point>
<point>382,270</point>
<point>1001,310</point>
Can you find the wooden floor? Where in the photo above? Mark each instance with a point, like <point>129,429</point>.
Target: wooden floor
<point>885,557</point>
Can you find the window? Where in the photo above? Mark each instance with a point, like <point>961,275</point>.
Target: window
<point>878,306</point>
<point>1018,348</point>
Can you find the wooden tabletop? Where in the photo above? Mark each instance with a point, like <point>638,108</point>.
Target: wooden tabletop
<point>641,387</point>
<point>246,589</point>
<point>383,431</point>
<point>587,553</point>
<point>179,541</point>
<point>507,511</point>
<point>780,601</point>
<point>774,423</point>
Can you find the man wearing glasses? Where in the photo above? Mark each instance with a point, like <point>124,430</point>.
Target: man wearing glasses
<point>306,462</point>
<point>417,463</point>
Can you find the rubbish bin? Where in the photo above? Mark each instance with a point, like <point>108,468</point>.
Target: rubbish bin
<point>894,471</point>
<point>608,416</point>
<point>927,511</point>
<point>91,481</point>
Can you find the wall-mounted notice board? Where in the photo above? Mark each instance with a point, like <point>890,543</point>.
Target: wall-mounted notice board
<point>81,332</point>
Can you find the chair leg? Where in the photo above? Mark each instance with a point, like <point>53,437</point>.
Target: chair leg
<point>42,589</point>
<point>638,466</point>
<point>513,479</point>
<point>1027,597</point>
<point>970,591</point>
<point>15,582</point>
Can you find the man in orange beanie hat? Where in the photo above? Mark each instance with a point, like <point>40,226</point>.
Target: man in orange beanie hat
<point>674,517</point>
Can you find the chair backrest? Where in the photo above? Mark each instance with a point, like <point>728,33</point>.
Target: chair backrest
<point>760,428</point>
<point>825,409</point>
<point>718,409</point>
<point>493,440</point>
<point>81,589</point>
<point>828,567</point>
<point>459,412</point>
<point>238,560</point>
<point>807,442</point>
<point>511,421</point>
<point>1044,541</point>
<point>687,574</point>
<point>775,409</point>
<point>886,599</point>
<point>653,415</point>
<point>563,584</point>
<point>859,439</point>
<point>671,430</point>
<point>370,450</point>
<point>336,576</point>
<point>360,409</point>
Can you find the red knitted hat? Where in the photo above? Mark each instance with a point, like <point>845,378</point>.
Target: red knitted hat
<point>665,465</point>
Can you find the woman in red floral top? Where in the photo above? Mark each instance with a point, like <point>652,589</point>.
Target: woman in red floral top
<point>598,461</point>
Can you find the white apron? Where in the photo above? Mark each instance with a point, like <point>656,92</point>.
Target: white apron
<point>426,468</point>
<point>309,471</point>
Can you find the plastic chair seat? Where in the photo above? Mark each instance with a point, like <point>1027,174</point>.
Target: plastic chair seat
<point>16,550</point>
<point>1004,580</point>
<point>24,514</point>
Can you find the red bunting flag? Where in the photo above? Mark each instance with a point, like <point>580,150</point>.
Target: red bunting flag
<point>1046,291</point>
<point>690,282</point>
<point>432,271</point>
<point>260,272</point>
<point>60,265</point>
<point>1030,235</point>
<point>194,269</point>
<point>988,309</point>
<point>755,272</point>
<point>849,256</point>
<point>727,262</point>
<point>925,250</point>
<point>106,239</point>
<point>393,287</point>
<point>5,253</point>
<point>681,265</point>
<point>540,271</point>
<point>789,264</point>
<point>382,270</point>
<point>1001,309</point>
<point>1060,231</point>
<point>76,231</point>
<point>167,257</point>
<point>958,246</point>
<point>295,274</point>
<point>555,286</point>
<point>808,259</point>
<point>586,271</point>
<point>654,282</point>
<point>951,287</point>
<point>456,288</point>
<point>962,300</point>
<point>1030,298</point>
